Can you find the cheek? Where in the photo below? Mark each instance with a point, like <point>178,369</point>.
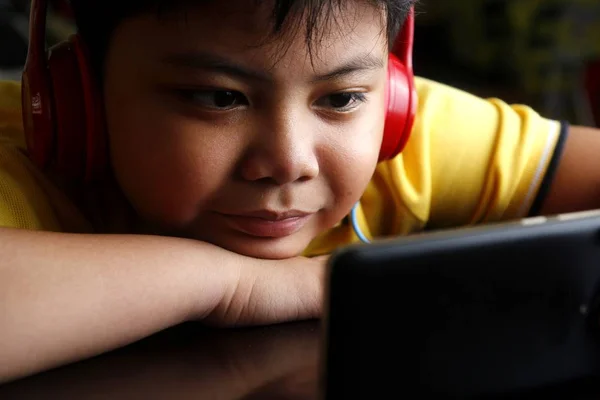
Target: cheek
<point>168,166</point>
<point>353,156</point>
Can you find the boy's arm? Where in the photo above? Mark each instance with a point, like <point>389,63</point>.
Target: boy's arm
<point>576,184</point>
<point>65,297</point>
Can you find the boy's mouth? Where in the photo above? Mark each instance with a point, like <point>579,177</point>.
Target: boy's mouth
<point>266,223</point>
<point>274,215</point>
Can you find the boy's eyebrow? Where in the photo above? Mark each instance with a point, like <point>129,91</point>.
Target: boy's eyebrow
<point>360,63</point>
<point>209,61</point>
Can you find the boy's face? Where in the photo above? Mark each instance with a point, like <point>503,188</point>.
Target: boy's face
<point>222,133</point>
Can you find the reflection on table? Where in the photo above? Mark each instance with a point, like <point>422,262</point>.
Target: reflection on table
<point>190,361</point>
<point>194,362</point>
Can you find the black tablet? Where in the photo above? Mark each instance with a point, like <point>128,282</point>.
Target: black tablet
<point>465,313</point>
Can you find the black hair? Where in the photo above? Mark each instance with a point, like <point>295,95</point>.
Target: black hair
<point>97,20</point>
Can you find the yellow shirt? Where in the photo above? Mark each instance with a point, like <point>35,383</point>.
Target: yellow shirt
<point>469,160</point>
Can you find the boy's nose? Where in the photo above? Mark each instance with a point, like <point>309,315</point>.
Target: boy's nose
<point>283,151</point>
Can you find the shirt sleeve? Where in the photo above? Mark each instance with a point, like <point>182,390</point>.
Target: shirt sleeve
<point>471,160</point>
<point>23,201</point>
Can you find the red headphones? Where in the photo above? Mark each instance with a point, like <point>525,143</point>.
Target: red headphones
<point>63,114</point>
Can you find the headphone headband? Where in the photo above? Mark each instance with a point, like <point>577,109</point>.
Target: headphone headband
<point>403,46</point>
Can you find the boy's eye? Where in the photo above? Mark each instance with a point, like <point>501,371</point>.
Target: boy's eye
<point>342,102</point>
<point>215,99</point>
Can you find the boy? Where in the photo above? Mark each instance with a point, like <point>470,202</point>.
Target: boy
<point>241,134</point>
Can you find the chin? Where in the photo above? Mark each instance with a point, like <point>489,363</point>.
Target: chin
<point>269,249</point>
<point>263,248</point>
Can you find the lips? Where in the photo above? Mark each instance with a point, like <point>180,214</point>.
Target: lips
<point>266,223</point>
<point>274,215</point>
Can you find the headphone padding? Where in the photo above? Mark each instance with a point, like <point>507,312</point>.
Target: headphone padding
<point>401,105</point>
<point>69,113</point>
<point>96,163</point>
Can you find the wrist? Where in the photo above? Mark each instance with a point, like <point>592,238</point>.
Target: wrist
<point>272,291</point>
<point>216,277</point>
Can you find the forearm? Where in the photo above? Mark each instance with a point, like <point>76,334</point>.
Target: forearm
<point>576,185</point>
<point>66,297</point>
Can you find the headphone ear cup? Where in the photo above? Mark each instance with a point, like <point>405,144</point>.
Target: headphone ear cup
<point>96,150</point>
<point>401,106</point>
<point>79,121</point>
<point>68,158</point>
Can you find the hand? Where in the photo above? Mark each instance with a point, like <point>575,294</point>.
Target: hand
<point>273,291</point>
